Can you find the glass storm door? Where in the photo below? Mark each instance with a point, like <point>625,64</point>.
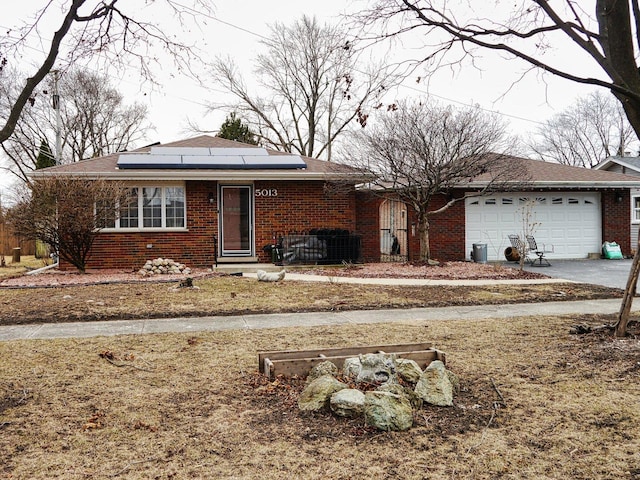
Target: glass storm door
<point>236,220</point>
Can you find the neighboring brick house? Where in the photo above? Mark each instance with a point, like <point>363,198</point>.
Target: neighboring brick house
<point>628,166</point>
<point>205,200</point>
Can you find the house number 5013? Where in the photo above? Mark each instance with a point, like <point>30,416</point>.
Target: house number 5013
<point>267,192</point>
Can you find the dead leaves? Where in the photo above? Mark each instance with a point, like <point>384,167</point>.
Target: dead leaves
<point>140,425</point>
<point>125,360</point>
<point>94,422</point>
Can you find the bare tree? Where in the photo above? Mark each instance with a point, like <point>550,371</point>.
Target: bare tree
<point>94,122</point>
<point>66,213</point>
<point>422,150</point>
<point>584,134</point>
<point>313,88</point>
<point>91,29</point>
<point>607,37</point>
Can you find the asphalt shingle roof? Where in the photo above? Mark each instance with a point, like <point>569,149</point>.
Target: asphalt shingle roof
<point>106,167</point>
<point>538,173</point>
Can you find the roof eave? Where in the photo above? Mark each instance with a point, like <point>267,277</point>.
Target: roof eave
<point>564,184</point>
<point>616,160</point>
<point>225,175</point>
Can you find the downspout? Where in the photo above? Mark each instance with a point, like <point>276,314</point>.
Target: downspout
<point>43,269</point>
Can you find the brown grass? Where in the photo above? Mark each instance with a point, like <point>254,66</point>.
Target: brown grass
<point>191,406</point>
<point>27,262</point>
<point>230,295</point>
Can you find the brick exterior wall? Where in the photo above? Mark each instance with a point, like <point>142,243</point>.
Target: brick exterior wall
<point>447,229</point>
<point>128,250</point>
<point>303,205</point>
<point>368,225</point>
<point>616,219</point>
<point>298,206</point>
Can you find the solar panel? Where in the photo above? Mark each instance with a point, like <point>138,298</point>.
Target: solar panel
<point>274,161</point>
<point>180,151</point>
<point>209,158</point>
<point>144,160</point>
<point>255,151</point>
<point>221,162</point>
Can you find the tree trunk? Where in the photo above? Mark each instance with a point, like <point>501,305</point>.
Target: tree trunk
<point>616,39</point>
<point>423,234</point>
<point>629,293</point>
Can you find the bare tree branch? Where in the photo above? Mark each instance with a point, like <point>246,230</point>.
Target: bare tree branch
<point>535,26</point>
<point>95,122</point>
<point>92,28</point>
<point>594,128</point>
<point>66,213</point>
<point>313,88</point>
<point>420,151</point>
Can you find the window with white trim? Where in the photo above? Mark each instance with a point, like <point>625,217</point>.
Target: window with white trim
<point>174,207</point>
<point>152,207</point>
<point>635,209</point>
<point>129,213</point>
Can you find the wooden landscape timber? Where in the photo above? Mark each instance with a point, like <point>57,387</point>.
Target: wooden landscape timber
<point>299,362</point>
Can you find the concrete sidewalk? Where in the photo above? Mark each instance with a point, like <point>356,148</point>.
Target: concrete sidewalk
<point>251,322</point>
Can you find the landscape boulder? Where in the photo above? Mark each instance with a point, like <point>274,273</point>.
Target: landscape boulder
<point>408,370</point>
<point>347,403</point>
<point>374,368</point>
<point>434,386</point>
<point>324,368</point>
<point>316,395</point>
<point>160,266</point>
<point>387,411</point>
<point>414,399</point>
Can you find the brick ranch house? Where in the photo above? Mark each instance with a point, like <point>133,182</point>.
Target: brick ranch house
<point>206,200</point>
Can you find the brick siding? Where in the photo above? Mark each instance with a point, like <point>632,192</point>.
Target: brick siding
<point>447,229</point>
<point>303,205</point>
<point>298,206</point>
<point>616,219</point>
<point>446,232</point>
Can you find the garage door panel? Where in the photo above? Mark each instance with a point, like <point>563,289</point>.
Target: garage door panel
<point>568,221</point>
<point>574,217</point>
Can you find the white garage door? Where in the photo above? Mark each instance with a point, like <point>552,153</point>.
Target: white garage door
<point>571,222</point>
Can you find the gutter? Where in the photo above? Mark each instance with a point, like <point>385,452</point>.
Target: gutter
<point>198,175</point>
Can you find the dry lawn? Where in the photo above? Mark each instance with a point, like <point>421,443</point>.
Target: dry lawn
<point>229,295</point>
<point>192,406</point>
<point>27,262</point>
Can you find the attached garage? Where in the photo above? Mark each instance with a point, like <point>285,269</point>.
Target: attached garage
<point>568,221</point>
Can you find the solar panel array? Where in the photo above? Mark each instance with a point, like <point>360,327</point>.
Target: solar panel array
<point>209,158</point>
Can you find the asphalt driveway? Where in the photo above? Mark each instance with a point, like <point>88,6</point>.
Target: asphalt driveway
<point>609,273</point>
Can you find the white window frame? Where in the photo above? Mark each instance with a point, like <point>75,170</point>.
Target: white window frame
<point>635,210</point>
<point>163,224</point>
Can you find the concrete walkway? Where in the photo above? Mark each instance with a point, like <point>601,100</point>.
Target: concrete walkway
<point>415,282</point>
<point>251,322</point>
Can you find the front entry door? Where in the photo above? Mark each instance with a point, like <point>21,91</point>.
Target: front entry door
<point>236,220</point>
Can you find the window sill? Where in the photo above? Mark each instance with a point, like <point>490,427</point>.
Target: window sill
<point>144,230</point>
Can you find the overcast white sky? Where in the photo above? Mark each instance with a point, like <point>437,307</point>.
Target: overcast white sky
<point>237,31</point>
